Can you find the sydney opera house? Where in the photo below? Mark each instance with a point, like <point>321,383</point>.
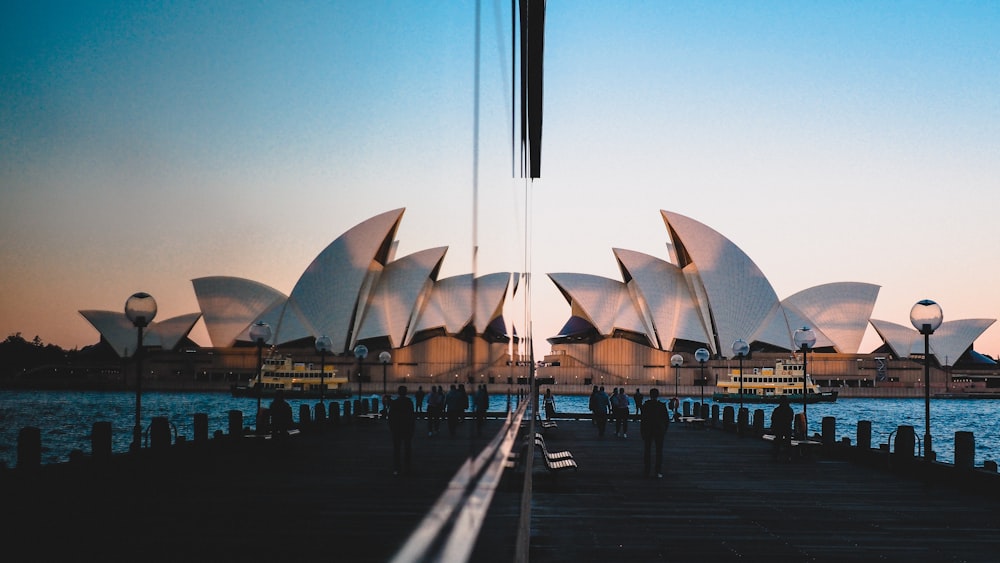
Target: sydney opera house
<point>706,294</point>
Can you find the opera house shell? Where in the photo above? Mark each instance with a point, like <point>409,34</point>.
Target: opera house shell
<point>706,293</point>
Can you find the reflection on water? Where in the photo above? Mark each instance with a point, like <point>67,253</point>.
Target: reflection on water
<point>66,418</point>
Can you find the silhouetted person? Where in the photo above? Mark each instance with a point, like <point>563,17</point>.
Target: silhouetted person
<point>454,404</point>
<point>781,426</point>
<point>435,408</point>
<point>281,414</point>
<point>550,405</point>
<point>482,405</point>
<point>402,421</point>
<point>419,396</point>
<point>653,427</point>
<point>638,400</point>
<point>600,406</point>
<point>619,405</point>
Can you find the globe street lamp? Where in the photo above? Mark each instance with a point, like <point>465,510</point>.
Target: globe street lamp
<point>260,333</point>
<point>677,361</point>
<point>702,355</point>
<point>323,345</point>
<point>740,350</point>
<point>804,339</point>
<point>385,358</point>
<point>926,317</point>
<point>360,352</point>
<point>140,309</point>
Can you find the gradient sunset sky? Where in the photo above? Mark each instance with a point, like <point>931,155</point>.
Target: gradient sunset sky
<point>144,144</point>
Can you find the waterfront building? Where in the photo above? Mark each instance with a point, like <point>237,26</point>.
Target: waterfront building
<point>706,293</point>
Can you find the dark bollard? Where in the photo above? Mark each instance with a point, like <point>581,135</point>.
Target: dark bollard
<point>347,412</point>
<point>100,441</point>
<point>29,448</point>
<point>715,415</point>
<point>319,414</point>
<point>374,405</point>
<point>864,435</point>
<point>159,433</point>
<point>743,420</point>
<point>200,427</point>
<point>235,424</point>
<point>687,408</point>
<point>906,441</point>
<point>335,414</point>
<point>758,422</point>
<point>304,417</point>
<point>990,465</point>
<point>965,450</point>
<point>728,418</point>
<point>357,408</point>
<point>829,430</point>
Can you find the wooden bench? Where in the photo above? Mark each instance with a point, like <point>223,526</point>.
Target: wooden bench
<point>803,448</point>
<point>692,421</point>
<point>557,461</point>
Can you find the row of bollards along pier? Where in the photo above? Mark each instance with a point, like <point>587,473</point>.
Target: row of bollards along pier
<point>161,433</point>
<point>903,451</point>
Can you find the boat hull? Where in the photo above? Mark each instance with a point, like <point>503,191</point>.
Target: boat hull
<point>824,397</point>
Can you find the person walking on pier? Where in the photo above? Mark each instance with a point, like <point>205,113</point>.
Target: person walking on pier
<point>482,401</point>
<point>550,405</point>
<point>454,404</point>
<point>600,405</point>
<point>619,404</point>
<point>435,409</point>
<point>653,427</point>
<point>402,420</point>
<point>419,397</point>
<point>638,401</point>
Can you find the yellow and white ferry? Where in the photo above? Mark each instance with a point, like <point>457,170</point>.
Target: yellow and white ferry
<point>768,385</point>
<point>296,379</point>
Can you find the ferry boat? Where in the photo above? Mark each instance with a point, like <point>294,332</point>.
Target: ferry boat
<point>768,385</point>
<point>298,380</point>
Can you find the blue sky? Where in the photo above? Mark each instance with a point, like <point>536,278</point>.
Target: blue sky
<point>143,145</point>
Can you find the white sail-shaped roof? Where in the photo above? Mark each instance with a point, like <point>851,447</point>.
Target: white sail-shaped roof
<point>401,287</point>
<point>231,304</point>
<point>951,339</point>
<point>899,338</point>
<point>740,297</point>
<point>123,337</point>
<point>664,299</point>
<point>605,303</point>
<point>840,310</point>
<point>171,331</point>
<point>331,294</point>
<point>450,303</point>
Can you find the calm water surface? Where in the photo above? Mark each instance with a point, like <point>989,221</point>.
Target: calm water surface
<point>65,418</point>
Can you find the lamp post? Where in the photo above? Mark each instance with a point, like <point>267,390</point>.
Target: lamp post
<point>385,358</point>
<point>260,333</point>
<point>740,350</point>
<point>140,309</point>
<point>323,345</point>
<point>804,339</point>
<point>360,352</point>
<point>677,361</point>
<point>926,317</point>
<point>702,355</point>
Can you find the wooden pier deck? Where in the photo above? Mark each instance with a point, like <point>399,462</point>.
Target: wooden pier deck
<point>333,495</point>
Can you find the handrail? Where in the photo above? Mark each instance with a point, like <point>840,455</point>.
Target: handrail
<point>449,530</point>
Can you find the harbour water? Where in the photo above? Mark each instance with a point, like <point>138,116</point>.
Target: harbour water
<point>66,418</point>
